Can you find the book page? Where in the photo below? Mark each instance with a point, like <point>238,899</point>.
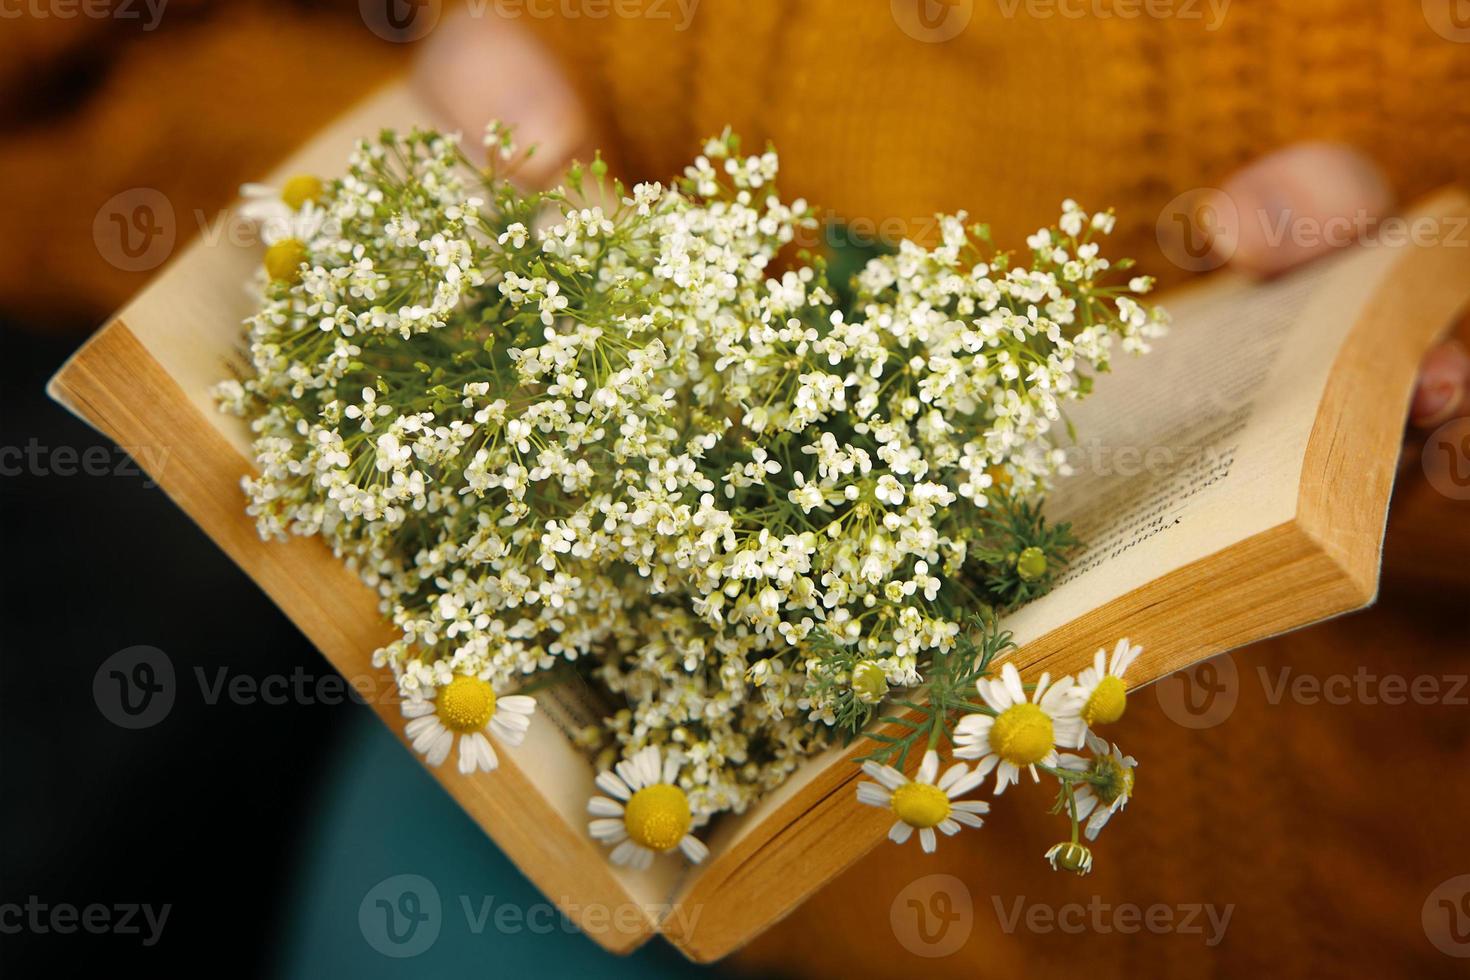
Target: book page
<point>1198,445</point>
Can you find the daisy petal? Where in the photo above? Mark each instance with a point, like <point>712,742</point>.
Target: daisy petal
<point>439,748</point>
<point>693,848</point>
<point>607,830</point>
<point>627,853</point>
<point>610,784</point>
<point>519,704</point>
<point>887,775</point>
<point>601,806</point>
<point>953,775</point>
<point>1011,677</point>
<point>928,769</point>
<point>965,783</point>
<point>510,736</point>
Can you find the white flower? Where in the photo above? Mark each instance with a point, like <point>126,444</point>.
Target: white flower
<point>922,803</point>
<point>663,455</point>
<point>645,812</point>
<point>1070,856</point>
<point>1100,693</point>
<point>369,410</point>
<point>1109,785</point>
<point>468,707</point>
<point>1023,734</point>
<point>265,204</point>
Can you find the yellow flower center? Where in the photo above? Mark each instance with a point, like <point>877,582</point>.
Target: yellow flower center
<point>283,260</point>
<point>919,804</point>
<point>300,189</point>
<point>1107,702</point>
<point>1022,735</point>
<point>658,816</point>
<point>465,704</point>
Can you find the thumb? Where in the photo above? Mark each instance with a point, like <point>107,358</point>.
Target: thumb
<point>478,68</point>
<point>1443,379</point>
<point>1303,202</point>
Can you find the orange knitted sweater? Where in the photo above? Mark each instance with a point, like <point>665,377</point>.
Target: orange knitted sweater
<point>882,116</point>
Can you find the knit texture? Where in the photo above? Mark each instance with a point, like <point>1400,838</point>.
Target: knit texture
<point>1016,112</point>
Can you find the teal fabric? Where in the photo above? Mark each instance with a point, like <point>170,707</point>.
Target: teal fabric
<point>396,881</point>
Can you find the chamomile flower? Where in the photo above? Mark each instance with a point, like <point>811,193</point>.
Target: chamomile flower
<point>1022,734</point>
<point>467,707</point>
<point>1109,783</point>
<point>923,804</point>
<point>1070,856</point>
<point>645,812</point>
<point>1100,690</point>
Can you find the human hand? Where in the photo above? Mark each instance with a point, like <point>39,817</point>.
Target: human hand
<point>1321,183</point>
<point>475,69</point>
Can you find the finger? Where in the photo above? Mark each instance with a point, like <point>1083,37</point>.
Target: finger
<point>1444,377</point>
<point>1303,202</point>
<point>475,69</point>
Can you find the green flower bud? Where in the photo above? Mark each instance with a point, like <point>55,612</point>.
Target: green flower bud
<point>1070,856</point>
<point>869,683</point>
<point>1031,565</point>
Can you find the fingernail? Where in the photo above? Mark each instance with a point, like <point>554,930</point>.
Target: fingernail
<point>1436,403</point>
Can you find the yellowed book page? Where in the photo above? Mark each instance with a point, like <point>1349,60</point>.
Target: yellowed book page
<point>1199,444</point>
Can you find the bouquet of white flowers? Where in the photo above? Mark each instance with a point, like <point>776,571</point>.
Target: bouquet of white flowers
<point>633,437</point>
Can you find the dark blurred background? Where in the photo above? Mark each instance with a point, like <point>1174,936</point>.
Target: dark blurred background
<point>1287,834</point>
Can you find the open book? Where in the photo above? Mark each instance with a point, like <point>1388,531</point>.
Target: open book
<point>1231,486</point>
